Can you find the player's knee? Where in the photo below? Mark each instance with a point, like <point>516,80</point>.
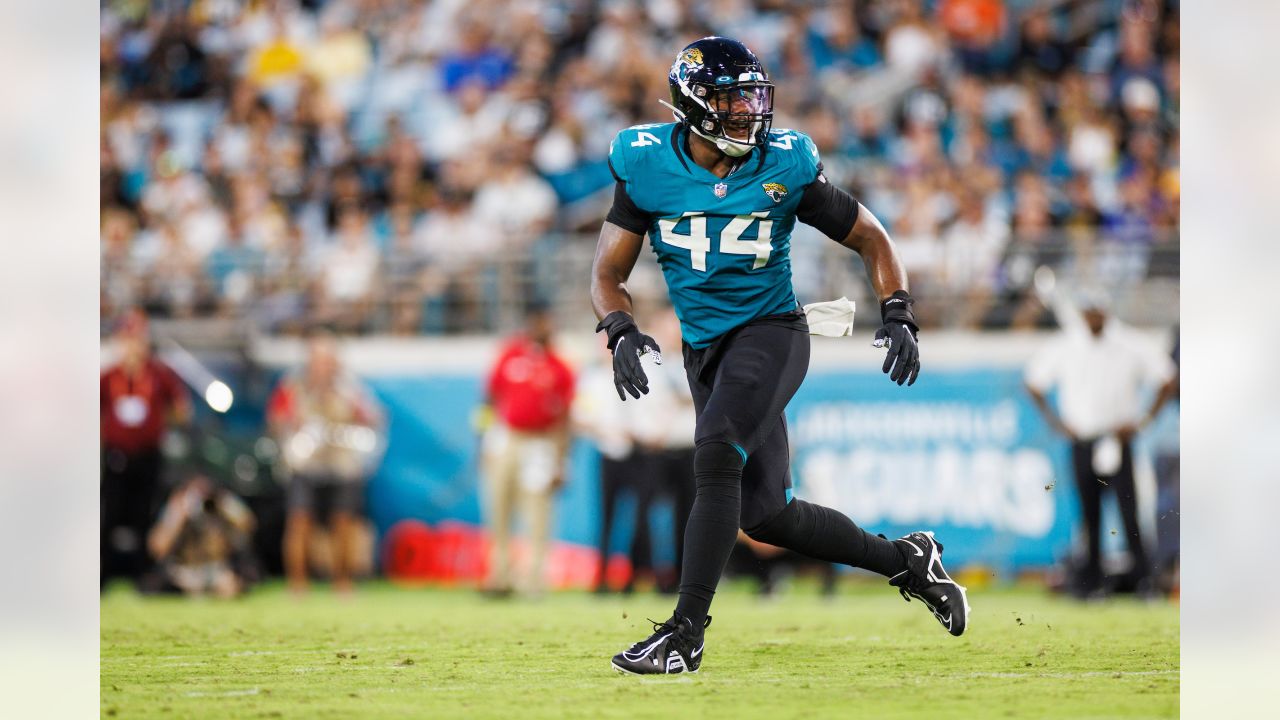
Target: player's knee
<point>718,456</point>
<point>717,464</point>
<point>777,527</point>
<point>762,528</point>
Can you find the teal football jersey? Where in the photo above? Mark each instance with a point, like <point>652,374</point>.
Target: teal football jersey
<point>723,243</point>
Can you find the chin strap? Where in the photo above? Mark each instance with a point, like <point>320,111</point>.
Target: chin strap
<point>732,148</point>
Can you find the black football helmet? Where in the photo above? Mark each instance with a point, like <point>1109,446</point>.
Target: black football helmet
<point>720,91</point>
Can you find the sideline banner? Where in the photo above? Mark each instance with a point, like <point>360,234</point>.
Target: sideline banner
<point>962,452</point>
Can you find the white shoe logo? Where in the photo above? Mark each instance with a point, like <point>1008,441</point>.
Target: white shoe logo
<point>697,652</point>
<point>636,657</point>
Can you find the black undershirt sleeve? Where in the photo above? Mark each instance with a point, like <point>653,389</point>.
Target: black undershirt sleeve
<point>625,213</point>
<point>828,208</point>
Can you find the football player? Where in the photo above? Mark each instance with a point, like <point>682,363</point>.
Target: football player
<point>718,193</point>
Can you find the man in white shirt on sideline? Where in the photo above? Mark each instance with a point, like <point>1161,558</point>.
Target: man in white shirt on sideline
<point>1100,369</point>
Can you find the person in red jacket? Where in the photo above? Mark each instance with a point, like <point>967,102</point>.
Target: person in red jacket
<point>138,398</point>
<point>528,397</point>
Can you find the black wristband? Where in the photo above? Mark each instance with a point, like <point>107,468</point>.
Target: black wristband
<point>615,324</point>
<point>897,308</point>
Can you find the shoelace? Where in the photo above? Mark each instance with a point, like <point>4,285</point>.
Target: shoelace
<point>658,629</point>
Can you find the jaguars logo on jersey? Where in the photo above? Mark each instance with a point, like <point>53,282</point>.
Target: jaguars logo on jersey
<point>775,191</point>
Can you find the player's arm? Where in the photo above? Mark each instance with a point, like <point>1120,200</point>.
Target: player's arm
<point>1047,412</point>
<point>616,254</point>
<point>869,239</point>
<point>843,219</point>
<point>621,238</point>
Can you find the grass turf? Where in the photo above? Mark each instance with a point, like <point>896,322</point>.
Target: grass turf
<point>393,652</point>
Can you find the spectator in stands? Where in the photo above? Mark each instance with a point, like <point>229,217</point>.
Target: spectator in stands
<point>521,204</point>
<point>530,393</point>
<point>177,67</point>
<point>233,268</point>
<point>292,100</point>
<point>202,541</point>
<point>840,45</point>
<point>405,274</point>
<point>475,59</point>
<point>1040,48</point>
<point>971,249</point>
<point>975,27</point>
<point>341,56</point>
<point>1137,58</point>
<point>1100,370</point>
<point>139,399</point>
<point>348,272</point>
<point>328,426</point>
<point>121,279</point>
<point>457,242</point>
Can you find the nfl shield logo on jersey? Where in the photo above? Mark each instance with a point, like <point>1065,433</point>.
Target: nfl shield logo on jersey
<point>722,189</point>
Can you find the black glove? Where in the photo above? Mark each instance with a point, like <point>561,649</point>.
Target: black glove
<point>628,344</point>
<point>898,334</point>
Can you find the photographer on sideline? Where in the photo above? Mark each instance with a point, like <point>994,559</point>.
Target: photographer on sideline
<point>202,539</point>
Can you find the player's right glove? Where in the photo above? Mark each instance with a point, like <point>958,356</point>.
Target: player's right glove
<point>628,344</point>
<point>898,334</point>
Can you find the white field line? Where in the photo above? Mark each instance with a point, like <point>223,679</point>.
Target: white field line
<point>1066,675</point>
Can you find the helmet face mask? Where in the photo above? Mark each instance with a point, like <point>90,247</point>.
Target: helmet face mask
<point>721,92</point>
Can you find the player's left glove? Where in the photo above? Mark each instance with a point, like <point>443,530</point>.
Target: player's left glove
<point>628,344</point>
<point>898,334</point>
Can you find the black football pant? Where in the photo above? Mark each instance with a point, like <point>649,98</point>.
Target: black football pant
<point>742,465</point>
<point>1090,487</point>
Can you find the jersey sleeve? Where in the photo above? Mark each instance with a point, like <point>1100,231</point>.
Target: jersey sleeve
<point>822,205</point>
<point>625,213</point>
<point>828,208</point>
<point>618,157</point>
<point>808,159</point>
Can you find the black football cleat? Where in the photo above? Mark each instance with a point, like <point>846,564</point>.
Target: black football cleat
<point>927,581</point>
<point>674,647</point>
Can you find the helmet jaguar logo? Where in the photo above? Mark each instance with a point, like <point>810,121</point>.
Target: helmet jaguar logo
<point>775,191</point>
<point>693,56</point>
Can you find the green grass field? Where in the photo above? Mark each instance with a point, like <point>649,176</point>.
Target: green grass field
<point>393,652</point>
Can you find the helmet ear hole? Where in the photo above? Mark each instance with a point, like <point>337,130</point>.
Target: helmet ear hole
<point>708,125</point>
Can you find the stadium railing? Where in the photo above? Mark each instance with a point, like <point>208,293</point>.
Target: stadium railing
<point>1141,278</point>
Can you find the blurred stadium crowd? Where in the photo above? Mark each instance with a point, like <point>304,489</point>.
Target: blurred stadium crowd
<point>415,166</point>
